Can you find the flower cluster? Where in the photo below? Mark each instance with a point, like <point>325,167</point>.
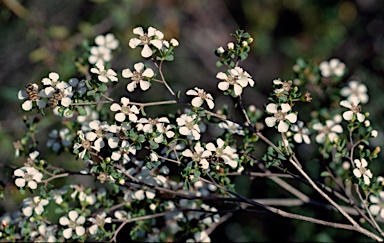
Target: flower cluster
<point>157,172</point>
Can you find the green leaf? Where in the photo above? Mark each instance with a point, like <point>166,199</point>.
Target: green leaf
<point>219,64</point>
<point>82,111</point>
<point>324,174</point>
<point>169,58</point>
<point>143,112</point>
<point>153,144</point>
<point>102,88</point>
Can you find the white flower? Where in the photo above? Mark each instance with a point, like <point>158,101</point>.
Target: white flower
<point>333,67</point>
<point>377,206</point>
<point>362,171</point>
<point>124,150</point>
<point>147,125</point>
<point>34,205</point>
<point>75,222</point>
<point>201,97</point>
<point>235,77</point>
<point>87,143</point>
<point>220,50</point>
<point>99,221</point>
<point>109,41</point>
<point>355,89</point>
<point>231,127</point>
<point>280,116</point>
<point>153,37</point>
<point>374,133</point>
<point>29,176</point>
<point>329,130</point>
<point>174,42</point>
<point>231,46</point>
<point>286,86</point>
<point>354,107</point>
<point>52,80</point>
<point>31,94</point>
<point>125,110</point>
<point>141,76</point>
<point>200,155</point>
<point>301,133</point>
<point>99,54</point>
<point>104,75</point>
<point>188,127</point>
<point>227,153</point>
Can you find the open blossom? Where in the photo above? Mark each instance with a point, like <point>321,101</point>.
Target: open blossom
<point>231,127</point>
<point>31,94</point>
<point>125,110</point>
<point>87,143</point>
<point>108,41</point>
<point>333,67</point>
<point>123,152</point>
<point>140,76</point>
<point>301,133</point>
<point>286,86</point>
<point>377,206</point>
<point>75,222</point>
<point>78,86</point>
<point>200,155</point>
<point>329,130</point>
<point>104,75</point>
<point>58,138</point>
<point>35,204</point>
<point>226,153</point>
<point>29,176</point>
<point>201,96</point>
<point>236,77</point>
<point>362,171</point>
<point>99,54</point>
<point>354,107</point>
<point>355,89</point>
<point>148,125</point>
<point>152,37</point>
<point>188,127</point>
<point>280,116</point>
<point>99,221</point>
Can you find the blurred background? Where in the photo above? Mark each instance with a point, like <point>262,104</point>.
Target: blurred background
<point>42,36</point>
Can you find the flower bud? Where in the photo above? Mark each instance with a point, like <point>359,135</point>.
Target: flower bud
<point>244,43</point>
<point>220,50</point>
<point>250,40</point>
<point>231,46</point>
<point>174,42</point>
<point>374,133</point>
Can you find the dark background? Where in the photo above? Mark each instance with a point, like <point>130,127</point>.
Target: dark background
<point>41,36</point>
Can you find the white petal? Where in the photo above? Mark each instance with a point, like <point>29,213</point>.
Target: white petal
<point>271,108</point>
<point>360,117</point>
<point>345,103</point>
<point>27,105</point>
<point>146,52</point>
<point>238,89</point>
<point>282,127</point>
<point>67,233</point>
<point>148,73</point>
<point>73,215</point>
<point>223,86</point>
<point>126,73</point>
<point>197,102</point>
<point>138,31</point>
<point>134,42</point>
<point>20,182</point>
<point>115,107</point>
<point>292,117</point>
<point>144,85</point>
<point>285,107</point>
<point>270,121</point>
<point>80,230</point>
<point>348,115</point>
<point>64,221</point>
<point>120,117</point>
